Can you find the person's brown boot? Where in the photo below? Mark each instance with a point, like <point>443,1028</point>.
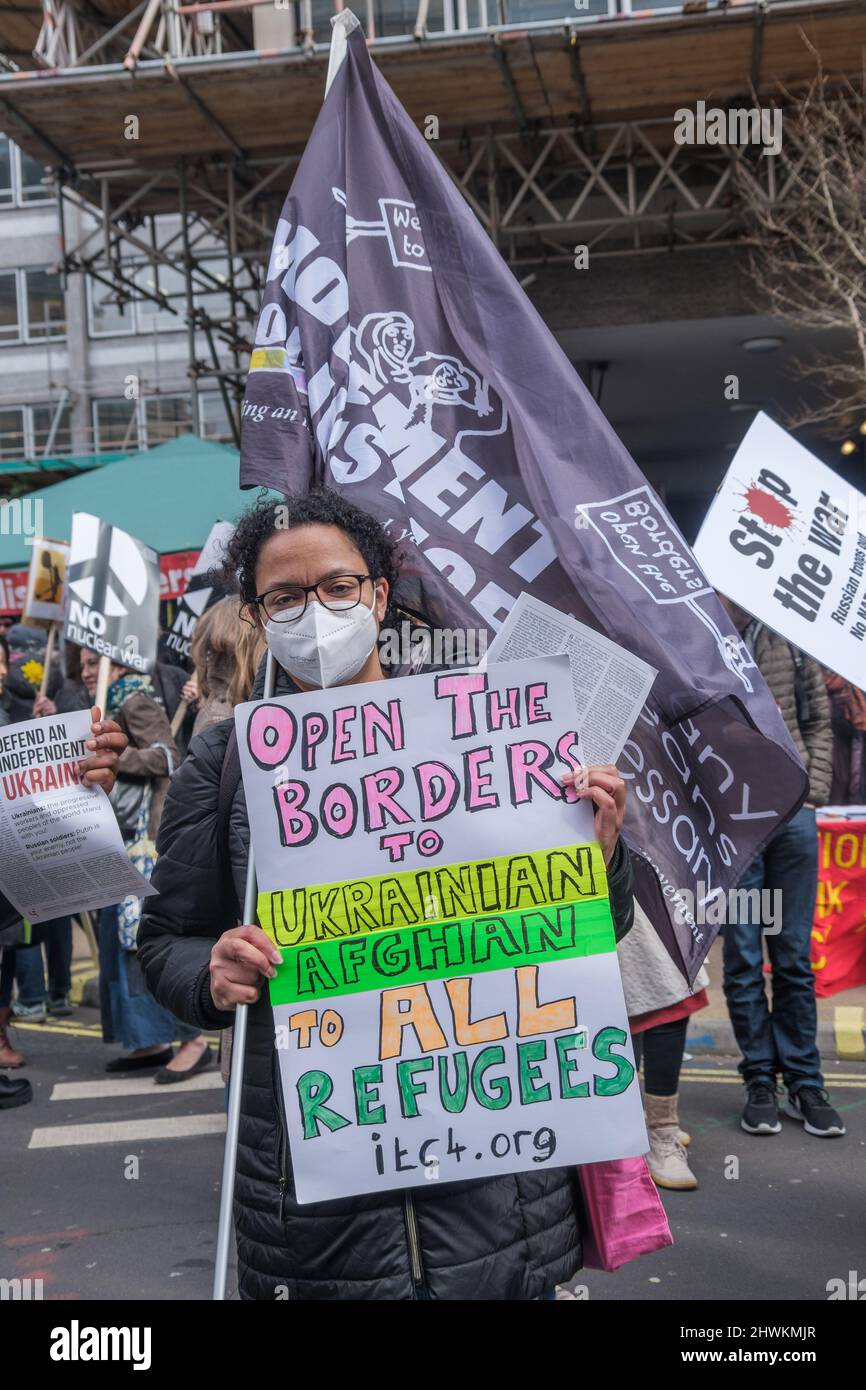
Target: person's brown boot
<point>8,1056</point>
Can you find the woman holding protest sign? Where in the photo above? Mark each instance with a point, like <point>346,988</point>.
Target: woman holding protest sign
<point>130,1015</point>
<point>97,769</point>
<point>317,578</point>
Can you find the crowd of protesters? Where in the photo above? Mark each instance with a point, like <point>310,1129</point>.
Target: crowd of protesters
<point>174,967</point>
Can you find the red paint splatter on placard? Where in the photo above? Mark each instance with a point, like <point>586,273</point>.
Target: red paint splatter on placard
<point>768,508</point>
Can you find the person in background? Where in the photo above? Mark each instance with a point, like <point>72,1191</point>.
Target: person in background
<point>5,698</point>
<point>659,1004</point>
<point>9,1057</point>
<point>848,721</point>
<point>35,1001</point>
<point>783,1040</point>
<point>97,769</point>
<point>68,693</point>
<point>26,658</point>
<point>169,683</point>
<point>130,1014</point>
<point>225,653</point>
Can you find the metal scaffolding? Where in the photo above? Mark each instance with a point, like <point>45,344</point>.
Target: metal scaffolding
<point>542,169</point>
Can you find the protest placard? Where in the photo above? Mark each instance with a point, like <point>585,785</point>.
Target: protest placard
<point>785,539</point>
<point>201,592</point>
<point>114,593</point>
<point>46,581</point>
<point>60,846</point>
<point>449,1004</point>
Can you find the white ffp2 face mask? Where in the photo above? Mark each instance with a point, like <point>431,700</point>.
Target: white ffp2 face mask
<point>324,647</point>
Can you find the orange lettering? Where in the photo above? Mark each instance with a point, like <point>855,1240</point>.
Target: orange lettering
<point>465,1031</point>
<point>533,1017</point>
<point>419,1015</point>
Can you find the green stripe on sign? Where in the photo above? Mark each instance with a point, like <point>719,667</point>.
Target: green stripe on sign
<point>438,951</point>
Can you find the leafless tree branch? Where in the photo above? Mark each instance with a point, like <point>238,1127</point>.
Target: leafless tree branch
<point>806,234</point>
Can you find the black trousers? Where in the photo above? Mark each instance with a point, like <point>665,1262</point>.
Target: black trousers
<point>662,1051</point>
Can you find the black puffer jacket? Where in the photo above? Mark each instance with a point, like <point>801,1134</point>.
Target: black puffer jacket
<point>510,1237</point>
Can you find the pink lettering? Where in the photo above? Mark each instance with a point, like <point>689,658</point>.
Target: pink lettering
<point>297,827</point>
<point>390,725</point>
<point>477,794</point>
<point>438,789</point>
<point>270,735</point>
<point>527,763</point>
<point>339,752</point>
<point>315,729</point>
<point>534,695</point>
<point>339,810</point>
<point>379,789</point>
<point>499,709</point>
<point>461,688</point>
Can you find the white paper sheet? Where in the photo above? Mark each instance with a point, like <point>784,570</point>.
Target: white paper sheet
<point>610,684</point>
<point>61,849</point>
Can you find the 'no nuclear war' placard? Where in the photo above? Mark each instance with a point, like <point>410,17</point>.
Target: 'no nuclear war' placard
<point>449,1004</point>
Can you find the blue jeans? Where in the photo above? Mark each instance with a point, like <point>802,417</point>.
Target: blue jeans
<point>784,1040</point>
<point>130,1014</point>
<point>29,970</point>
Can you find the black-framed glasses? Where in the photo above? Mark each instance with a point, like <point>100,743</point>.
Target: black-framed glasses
<point>287,603</point>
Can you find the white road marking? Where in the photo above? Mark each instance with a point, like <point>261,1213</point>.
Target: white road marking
<point>134,1086</point>
<point>127,1131</point>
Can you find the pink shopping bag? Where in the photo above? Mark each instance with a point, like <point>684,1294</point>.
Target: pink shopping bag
<point>623,1216</point>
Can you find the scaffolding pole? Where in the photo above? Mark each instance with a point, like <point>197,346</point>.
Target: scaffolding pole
<point>190,301</point>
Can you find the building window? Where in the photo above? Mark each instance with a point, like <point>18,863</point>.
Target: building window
<point>121,424</point>
<point>13,444</point>
<point>169,286</point>
<point>165,417</point>
<point>22,179</point>
<point>214,420</point>
<point>10,331</point>
<point>52,431</point>
<point>107,318</point>
<point>115,425</point>
<point>7,192</point>
<point>46,310</point>
<point>216,303</point>
<point>33,180</point>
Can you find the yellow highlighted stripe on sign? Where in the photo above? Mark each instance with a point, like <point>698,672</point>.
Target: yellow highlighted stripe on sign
<point>444,892</point>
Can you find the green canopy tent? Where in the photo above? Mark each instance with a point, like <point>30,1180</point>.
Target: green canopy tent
<point>168,497</point>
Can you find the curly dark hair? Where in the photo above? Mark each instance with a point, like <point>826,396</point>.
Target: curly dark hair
<point>319,507</point>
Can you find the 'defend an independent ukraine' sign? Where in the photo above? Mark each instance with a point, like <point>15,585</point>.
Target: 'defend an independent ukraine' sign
<point>449,1004</point>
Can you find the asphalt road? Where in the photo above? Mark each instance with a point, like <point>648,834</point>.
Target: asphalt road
<point>110,1188</point>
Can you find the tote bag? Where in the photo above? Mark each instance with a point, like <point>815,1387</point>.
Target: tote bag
<point>622,1211</point>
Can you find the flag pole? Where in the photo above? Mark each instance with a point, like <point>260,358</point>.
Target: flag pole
<point>236,1079</point>
<point>342,25</point>
<point>103,680</point>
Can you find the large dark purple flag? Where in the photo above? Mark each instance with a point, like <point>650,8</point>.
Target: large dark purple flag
<point>398,360</point>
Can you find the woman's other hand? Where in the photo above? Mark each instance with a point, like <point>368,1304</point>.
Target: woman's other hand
<point>602,784</point>
<point>239,961</point>
<point>108,741</point>
<point>42,706</point>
